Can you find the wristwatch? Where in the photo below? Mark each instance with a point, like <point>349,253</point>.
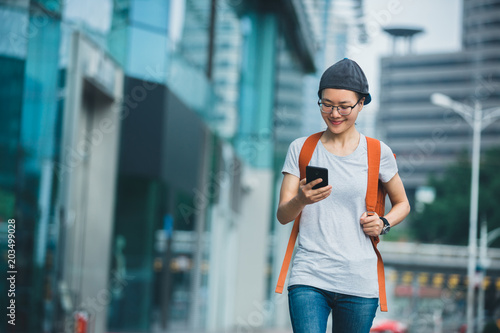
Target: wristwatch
<point>386,227</point>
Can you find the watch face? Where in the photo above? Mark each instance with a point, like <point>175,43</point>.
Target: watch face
<point>385,230</point>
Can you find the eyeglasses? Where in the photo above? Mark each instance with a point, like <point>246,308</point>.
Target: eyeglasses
<point>343,110</point>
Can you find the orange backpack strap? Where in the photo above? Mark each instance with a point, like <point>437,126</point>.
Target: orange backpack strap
<point>305,156</point>
<point>373,171</point>
<point>372,194</point>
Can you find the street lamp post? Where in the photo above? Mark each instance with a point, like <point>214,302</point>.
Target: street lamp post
<point>473,116</point>
<point>483,264</point>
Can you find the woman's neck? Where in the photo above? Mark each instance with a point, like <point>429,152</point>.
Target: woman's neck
<point>341,144</point>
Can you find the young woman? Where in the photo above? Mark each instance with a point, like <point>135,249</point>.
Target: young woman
<point>335,266</point>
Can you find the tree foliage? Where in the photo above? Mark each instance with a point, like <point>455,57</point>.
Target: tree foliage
<point>446,220</point>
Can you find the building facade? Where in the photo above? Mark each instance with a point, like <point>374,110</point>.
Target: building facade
<point>427,138</point>
<point>140,140</point>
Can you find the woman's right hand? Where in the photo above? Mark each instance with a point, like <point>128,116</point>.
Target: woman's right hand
<point>295,194</point>
<point>309,196</point>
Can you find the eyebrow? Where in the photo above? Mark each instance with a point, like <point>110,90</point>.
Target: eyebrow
<point>343,102</point>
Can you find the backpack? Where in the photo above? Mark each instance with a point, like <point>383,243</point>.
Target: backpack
<point>375,202</point>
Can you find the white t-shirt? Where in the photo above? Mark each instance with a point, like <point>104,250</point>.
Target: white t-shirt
<point>333,252</point>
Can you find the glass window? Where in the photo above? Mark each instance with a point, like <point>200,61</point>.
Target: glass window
<point>91,14</point>
<point>12,72</point>
<point>147,55</point>
<point>151,13</point>
<point>14,40</point>
<point>195,36</point>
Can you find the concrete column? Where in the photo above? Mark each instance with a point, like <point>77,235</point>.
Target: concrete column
<point>87,177</point>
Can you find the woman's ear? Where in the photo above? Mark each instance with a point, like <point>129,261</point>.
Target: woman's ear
<point>362,103</point>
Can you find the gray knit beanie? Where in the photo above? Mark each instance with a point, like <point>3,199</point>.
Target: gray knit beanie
<point>345,74</point>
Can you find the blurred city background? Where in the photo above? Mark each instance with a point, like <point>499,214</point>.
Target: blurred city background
<point>141,144</point>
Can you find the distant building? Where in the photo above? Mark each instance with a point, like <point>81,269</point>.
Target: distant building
<point>427,138</point>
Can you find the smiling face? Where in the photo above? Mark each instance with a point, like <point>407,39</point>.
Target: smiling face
<point>337,123</point>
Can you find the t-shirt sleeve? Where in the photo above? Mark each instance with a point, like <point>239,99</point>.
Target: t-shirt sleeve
<point>388,166</point>
<point>291,164</point>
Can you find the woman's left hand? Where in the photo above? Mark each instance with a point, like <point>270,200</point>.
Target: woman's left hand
<point>372,225</point>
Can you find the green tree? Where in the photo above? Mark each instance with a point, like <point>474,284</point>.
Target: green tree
<point>446,220</point>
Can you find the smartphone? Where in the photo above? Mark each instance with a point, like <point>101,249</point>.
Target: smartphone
<point>313,173</point>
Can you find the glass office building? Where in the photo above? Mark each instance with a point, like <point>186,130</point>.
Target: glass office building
<point>29,67</point>
<point>137,138</point>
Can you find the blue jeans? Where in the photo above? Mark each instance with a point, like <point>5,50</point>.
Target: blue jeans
<point>310,307</point>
